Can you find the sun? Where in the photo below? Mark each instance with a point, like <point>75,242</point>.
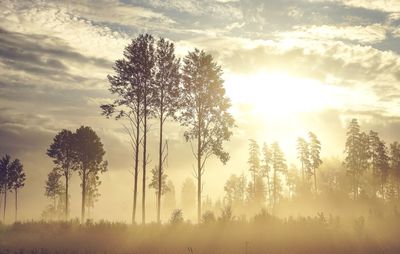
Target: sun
<point>279,95</point>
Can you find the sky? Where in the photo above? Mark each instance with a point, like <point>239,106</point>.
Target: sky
<point>290,66</point>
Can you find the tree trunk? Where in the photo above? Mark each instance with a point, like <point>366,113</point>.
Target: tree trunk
<point>144,159</point>
<point>160,155</point>
<point>199,174</point>
<point>83,197</point>
<point>315,181</point>
<point>66,196</point>
<point>136,173</point>
<point>16,205</point>
<point>5,205</point>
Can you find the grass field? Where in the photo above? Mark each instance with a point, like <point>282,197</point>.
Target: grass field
<point>261,234</point>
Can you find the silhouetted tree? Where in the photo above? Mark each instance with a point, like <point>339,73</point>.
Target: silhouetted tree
<point>165,99</point>
<point>63,154</point>
<point>254,163</point>
<point>303,154</point>
<point>267,167</point>
<point>11,178</point>
<point>278,166</point>
<point>17,178</point>
<point>89,157</point>
<point>126,84</point>
<point>357,154</point>
<point>204,112</point>
<point>315,161</point>
<point>379,161</point>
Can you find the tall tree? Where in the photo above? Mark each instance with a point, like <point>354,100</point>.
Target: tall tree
<point>126,85</point>
<point>279,166</point>
<point>18,177</point>
<point>267,167</point>
<point>145,60</point>
<point>205,112</point>
<point>379,161</point>
<point>63,154</point>
<point>165,99</point>
<point>315,160</point>
<point>254,163</point>
<point>303,154</point>
<point>89,157</point>
<point>357,154</point>
<point>6,180</point>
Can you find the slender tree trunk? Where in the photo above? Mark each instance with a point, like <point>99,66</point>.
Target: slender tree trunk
<point>136,174</point>
<point>160,155</point>
<point>83,197</point>
<point>144,159</point>
<point>66,196</point>
<point>199,174</point>
<point>315,181</point>
<point>5,204</point>
<point>16,205</point>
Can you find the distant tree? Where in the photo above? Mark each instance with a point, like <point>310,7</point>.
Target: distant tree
<point>267,167</point>
<point>89,158</point>
<point>204,111</point>
<point>165,98</point>
<point>254,164</point>
<point>278,166</point>
<point>17,177</point>
<point>188,195</point>
<point>235,191</point>
<point>176,217</point>
<point>154,183</point>
<point>93,193</point>
<point>63,154</point>
<point>395,166</point>
<point>315,161</point>
<point>303,154</point>
<point>11,178</point>
<point>357,154</point>
<point>53,190</point>
<point>379,161</point>
<point>169,197</point>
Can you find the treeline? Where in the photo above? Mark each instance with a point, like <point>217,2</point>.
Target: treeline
<point>370,172</point>
<point>12,178</point>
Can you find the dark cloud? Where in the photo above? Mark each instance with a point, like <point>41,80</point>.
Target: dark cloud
<point>43,56</point>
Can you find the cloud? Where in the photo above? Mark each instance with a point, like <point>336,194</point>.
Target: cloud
<point>82,35</point>
<point>369,34</point>
<point>384,5</point>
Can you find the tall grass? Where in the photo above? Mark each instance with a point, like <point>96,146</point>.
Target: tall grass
<point>263,233</point>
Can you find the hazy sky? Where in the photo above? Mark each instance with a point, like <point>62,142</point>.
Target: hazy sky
<point>290,66</point>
